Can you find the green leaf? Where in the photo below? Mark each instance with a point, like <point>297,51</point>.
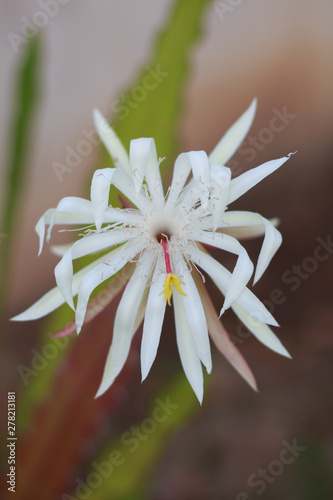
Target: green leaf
<point>21,128</point>
<point>144,111</point>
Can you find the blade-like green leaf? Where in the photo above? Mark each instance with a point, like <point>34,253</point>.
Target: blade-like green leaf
<point>152,106</point>
<point>25,98</point>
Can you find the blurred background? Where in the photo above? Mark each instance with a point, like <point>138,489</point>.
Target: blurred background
<point>91,53</point>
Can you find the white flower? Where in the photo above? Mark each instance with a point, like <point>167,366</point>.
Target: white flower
<point>165,237</point>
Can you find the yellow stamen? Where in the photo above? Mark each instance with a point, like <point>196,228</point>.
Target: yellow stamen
<point>170,281</point>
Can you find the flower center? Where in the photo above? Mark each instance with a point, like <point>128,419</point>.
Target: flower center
<point>164,236</point>
<point>163,228</point>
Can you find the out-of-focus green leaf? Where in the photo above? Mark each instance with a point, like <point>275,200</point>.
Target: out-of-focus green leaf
<point>25,98</point>
<point>144,111</point>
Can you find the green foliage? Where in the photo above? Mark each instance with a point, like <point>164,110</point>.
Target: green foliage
<point>157,114</point>
<point>25,98</point>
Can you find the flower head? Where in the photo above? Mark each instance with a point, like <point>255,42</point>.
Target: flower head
<point>165,236</point>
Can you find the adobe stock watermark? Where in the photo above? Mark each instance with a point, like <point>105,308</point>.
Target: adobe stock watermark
<point>40,359</point>
<point>29,27</point>
<point>131,441</point>
<point>293,278</point>
<point>262,478</point>
<point>122,107</point>
<point>225,7</point>
<point>254,143</point>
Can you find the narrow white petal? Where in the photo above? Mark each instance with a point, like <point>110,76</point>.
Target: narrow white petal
<point>125,184</point>
<point>119,215</point>
<point>247,232</point>
<point>101,273</point>
<point>145,165</point>
<point>249,179</point>
<point>221,338</point>
<point>60,250</point>
<point>271,243</point>
<point>139,153</point>
<point>54,298</point>
<point>222,277</point>
<point>70,210</point>
<point>196,319</point>
<point>272,240</point>
<point>234,137</point>
<point>124,323</point>
<point>99,193</point>
<point>243,269</point>
<point>111,141</point>
<point>181,172</point>
<point>187,351</point>
<point>190,194</point>
<point>90,244</point>
<point>201,173</point>
<point>261,331</point>
<point>220,184</point>
<point>153,322</point>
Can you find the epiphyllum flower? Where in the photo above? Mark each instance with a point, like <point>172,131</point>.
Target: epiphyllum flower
<point>165,237</point>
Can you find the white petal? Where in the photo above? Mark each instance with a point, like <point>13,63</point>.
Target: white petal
<point>101,273</point>
<point>190,195</point>
<point>144,164</point>
<point>124,323</point>
<point>99,193</point>
<point>220,184</point>
<point>196,319</point>
<point>249,179</point>
<point>243,269</point>
<point>70,210</point>
<point>187,351</point>
<point>271,243</point>
<point>199,187</point>
<point>112,143</point>
<point>60,250</point>
<point>247,232</point>
<point>154,317</point>
<point>261,331</point>
<point>201,173</point>
<point>234,137</point>
<point>222,277</point>
<point>220,336</point>
<point>125,184</point>
<point>54,298</point>
<point>272,240</point>
<point>181,172</point>
<point>64,269</point>
<point>119,215</point>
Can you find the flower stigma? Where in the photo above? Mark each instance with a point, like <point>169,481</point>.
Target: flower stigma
<point>172,280</point>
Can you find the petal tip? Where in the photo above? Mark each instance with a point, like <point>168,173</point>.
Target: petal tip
<point>285,353</point>
<point>254,104</point>
<point>100,391</point>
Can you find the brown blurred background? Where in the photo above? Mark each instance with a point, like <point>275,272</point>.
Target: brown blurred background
<point>282,53</point>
